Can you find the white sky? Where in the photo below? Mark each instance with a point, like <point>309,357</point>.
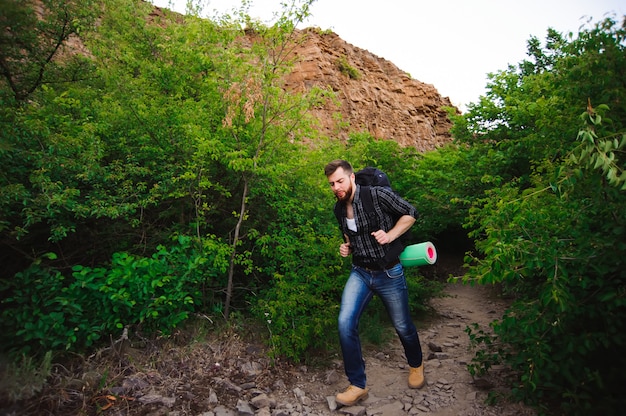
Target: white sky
<point>452,44</point>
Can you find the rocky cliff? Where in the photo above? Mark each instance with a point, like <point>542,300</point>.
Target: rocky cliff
<point>374,95</point>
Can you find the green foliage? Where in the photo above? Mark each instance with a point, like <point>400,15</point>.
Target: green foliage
<point>31,44</point>
<point>444,184</point>
<point>553,230</point>
<point>300,258</point>
<point>486,353</point>
<point>48,311</point>
<point>347,69</point>
<point>41,314</point>
<point>421,290</point>
<point>299,314</point>
<point>601,153</point>
<point>22,379</point>
<point>321,32</point>
<point>561,257</point>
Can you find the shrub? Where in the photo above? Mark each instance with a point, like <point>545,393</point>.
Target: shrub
<point>347,69</point>
<point>24,378</point>
<point>49,311</point>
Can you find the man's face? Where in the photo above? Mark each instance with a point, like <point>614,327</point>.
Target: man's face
<point>341,184</point>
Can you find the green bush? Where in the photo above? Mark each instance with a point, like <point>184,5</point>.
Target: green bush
<point>299,304</point>
<point>345,68</point>
<point>48,311</point>
<point>43,312</point>
<point>552,228</point>
<point>24,377</point>
<point>562,259</point>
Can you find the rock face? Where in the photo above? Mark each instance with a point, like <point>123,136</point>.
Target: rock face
<point>375,96</point>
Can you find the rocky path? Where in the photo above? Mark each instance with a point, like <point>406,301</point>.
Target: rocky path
<point>227,376</point>
<point>450,389</point>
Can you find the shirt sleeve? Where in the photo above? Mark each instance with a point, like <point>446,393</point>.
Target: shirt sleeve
<point>394,204</point>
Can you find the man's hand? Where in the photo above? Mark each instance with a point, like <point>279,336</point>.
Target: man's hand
<point>345,248</point>
<point>404,223</point>
<point>382,237</point>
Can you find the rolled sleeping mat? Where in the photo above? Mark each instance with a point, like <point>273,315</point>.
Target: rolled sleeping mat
<point>422,254</point>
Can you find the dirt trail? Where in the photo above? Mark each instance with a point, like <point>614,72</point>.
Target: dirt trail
<point>227,376</point>
<point>450,389</point>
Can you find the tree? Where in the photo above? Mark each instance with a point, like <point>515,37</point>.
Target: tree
<point>44,128</point>
<point>261,116</point>
<point>34,43</point>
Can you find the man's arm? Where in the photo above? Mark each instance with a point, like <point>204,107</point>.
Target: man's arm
<point>402,226</point>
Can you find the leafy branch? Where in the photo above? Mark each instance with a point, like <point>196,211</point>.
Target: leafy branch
<point>601,153</point>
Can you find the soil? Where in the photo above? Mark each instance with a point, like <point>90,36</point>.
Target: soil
<point>450,389</point>
<point>206,375</point>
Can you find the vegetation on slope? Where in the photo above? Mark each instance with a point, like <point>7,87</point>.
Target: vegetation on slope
<point>165,174</point>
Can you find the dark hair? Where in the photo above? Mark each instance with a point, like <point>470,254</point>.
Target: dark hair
<point>336,164</point>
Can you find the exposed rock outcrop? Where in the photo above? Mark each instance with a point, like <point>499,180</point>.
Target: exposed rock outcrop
<point>375,95</point>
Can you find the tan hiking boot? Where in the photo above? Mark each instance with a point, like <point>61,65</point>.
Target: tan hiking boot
<point>416,377</point>
<point>352,395</point>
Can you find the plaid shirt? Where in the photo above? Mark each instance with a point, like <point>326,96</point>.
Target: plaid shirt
<point>388,208</point>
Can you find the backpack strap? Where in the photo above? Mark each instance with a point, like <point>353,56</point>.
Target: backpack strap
<point>395,247</point>
<point>368,200</point>
<point>337,211</point>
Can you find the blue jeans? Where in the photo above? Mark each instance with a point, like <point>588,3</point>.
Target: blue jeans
<point>362,285</point>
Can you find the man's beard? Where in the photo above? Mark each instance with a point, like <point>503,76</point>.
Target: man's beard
<point>346,197</point>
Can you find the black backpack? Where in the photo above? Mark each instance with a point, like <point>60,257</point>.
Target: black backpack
<point>370,176</point>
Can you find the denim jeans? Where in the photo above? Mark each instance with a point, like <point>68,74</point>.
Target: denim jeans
<point>390,286</point>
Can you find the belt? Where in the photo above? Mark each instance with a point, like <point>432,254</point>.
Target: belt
<point>378,268</point>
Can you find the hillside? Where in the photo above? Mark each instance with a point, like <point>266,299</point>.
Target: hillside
<point>374,95</point>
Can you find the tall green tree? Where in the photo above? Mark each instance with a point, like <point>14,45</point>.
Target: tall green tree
<point>261,116</point>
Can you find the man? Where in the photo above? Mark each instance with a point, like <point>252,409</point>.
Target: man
<point>376,270</point>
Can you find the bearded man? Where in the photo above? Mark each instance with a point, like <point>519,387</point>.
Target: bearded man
<point>376,270</point>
